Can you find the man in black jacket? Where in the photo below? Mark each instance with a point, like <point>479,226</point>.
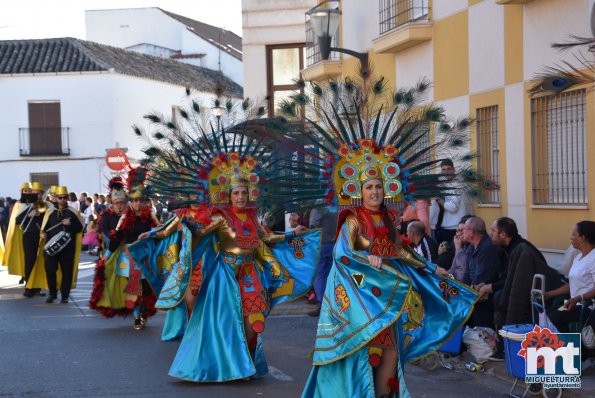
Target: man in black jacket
<point>67,219</point>
<point>523,261</point>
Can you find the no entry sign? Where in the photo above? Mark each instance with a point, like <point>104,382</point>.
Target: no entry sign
<point>116,159</point>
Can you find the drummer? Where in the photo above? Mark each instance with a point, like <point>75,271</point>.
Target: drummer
<point>60,253</point>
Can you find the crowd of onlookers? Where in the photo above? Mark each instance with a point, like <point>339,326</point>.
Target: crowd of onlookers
<point>90,208</point>
<point>500,264</point>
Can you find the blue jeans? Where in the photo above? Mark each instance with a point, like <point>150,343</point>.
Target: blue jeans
<point>324,267</point>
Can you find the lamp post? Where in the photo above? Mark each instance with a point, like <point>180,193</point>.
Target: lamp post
<point>324,23</point>
<point>218,111</point>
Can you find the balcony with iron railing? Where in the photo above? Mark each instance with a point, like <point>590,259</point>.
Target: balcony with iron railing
<point>317,67</point>
<point>44,141</point>
<point>402,24</point>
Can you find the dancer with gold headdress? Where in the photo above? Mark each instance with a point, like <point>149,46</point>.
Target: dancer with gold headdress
<point>244,269</point>
<point>62,230</point>
<point>108,296</point>
<point>383,304</point>
<point>136,219</point>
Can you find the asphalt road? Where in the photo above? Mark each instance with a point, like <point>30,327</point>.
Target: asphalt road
<point>66,350</point>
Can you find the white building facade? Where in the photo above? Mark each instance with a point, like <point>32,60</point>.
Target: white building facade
<point>157,32</point>
<point>91,110</point>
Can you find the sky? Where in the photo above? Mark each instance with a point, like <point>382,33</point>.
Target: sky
<point>38,19</point>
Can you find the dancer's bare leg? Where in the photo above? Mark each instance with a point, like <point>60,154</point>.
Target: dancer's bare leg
<point>384,371</point>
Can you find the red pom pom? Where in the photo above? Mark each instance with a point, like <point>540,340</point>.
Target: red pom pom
<point>374,360</point>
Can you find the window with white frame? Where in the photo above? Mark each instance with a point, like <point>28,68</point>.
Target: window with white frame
<point>488,149</point>
<point>558,138</point>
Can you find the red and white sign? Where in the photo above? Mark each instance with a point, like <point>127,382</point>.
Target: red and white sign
<point>116,159</point>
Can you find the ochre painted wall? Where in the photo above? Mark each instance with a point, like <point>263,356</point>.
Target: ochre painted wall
<point>451,56</point>
<point>513,43</point>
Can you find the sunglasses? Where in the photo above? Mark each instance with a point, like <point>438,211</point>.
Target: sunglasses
<point>62,197</point>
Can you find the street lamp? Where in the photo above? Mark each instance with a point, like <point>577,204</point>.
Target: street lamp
<point>218,111</point>
<point>324,22</point>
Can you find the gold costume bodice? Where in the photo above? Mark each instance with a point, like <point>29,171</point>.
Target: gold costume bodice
<point>360,242</point>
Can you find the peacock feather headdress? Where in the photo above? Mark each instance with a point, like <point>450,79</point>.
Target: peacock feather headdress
<point>198,157</point>
<point>358,127</point>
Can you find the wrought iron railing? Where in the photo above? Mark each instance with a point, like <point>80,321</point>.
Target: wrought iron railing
<point>395,13</point>
<point>44,141</point>
<point>488,148</point>
<point>312,47</point>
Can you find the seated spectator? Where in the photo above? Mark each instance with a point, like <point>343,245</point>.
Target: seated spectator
<point>485,266</point>
<point>462,251</point>
<point>581,278</point>
<point>523,261</point>
<point>422,243</point>
<point>296,223</point>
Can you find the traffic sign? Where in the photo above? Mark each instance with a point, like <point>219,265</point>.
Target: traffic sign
<point>116,159</point>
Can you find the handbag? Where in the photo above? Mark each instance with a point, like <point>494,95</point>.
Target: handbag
<point>587,333</point>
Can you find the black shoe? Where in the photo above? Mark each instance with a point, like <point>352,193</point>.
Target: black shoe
<point>498,356</point>
<point>22,280</point>
<point>29,293</point>
<point>50,299</point>
<point>64,300</point>
<point>138,324</point>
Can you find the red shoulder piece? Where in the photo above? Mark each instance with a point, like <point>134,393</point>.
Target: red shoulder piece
<point>341,220</point>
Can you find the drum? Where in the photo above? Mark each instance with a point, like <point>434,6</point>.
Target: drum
<point>57,243</point>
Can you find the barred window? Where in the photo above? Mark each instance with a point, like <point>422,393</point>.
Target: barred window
<point>46,179</point>
<point>488,149</point>
<point>395,13</point>
<point>558,137</point>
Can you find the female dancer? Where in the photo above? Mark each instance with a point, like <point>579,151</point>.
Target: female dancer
<point>383,304</point>
<point>244,268</point>
<point>126,290</point>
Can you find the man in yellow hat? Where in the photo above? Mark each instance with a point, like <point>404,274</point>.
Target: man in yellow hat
<point>30,225</point>
<point>14,257</point>
<point>52,194</point>
<point>65,225</point>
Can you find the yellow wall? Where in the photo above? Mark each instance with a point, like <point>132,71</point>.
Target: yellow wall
<point>550,227</point>
<point>482,100</point>
<point>381,65</point>
<point>473,2</point>
<point>513,43</point>
<point>451,57</point>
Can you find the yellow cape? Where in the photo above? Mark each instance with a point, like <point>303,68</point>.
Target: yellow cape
<point>14,257</point>
<point>1,248</point>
